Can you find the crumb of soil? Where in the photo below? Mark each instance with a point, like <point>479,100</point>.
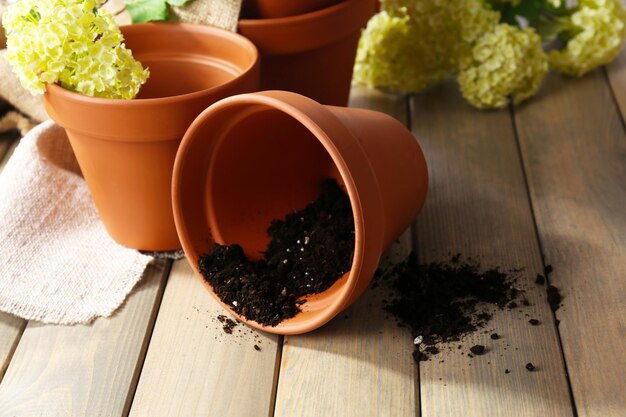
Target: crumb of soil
<point>506,371</point>
<point>495,336</point>
<point>530,367</point>
<point>540,280</point>
<point>547,270</point>
<point>433,350</point>
<point>512,305</point>
<point>442,302</point>
<point>228,324</point>
<point>309,251</point>
<point>534,322</point>
<point>257,348</point>
<point>477,349</point>
<point>554,297</point>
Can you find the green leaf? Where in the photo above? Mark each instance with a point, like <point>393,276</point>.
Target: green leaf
<point>146,10</point>
<point>178,2</point>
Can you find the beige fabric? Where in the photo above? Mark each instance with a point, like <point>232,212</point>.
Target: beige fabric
<point>15,121</point>
<point>12,91</point>
<point>220,13</point>
<point>58,263</point>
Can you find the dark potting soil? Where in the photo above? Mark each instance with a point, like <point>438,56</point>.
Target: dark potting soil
<point>228,324</point>
<point>308,252</point>
<point>554,297</point>
<point>477,349</point>
<point>441,302</point>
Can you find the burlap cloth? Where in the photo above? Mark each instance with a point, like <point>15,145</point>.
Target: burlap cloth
<point>58,263</point>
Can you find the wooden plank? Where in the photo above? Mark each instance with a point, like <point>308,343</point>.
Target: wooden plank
<point>478,206</point>
<point>193,368</point>
<point>574,148</point>
<point>11,327</point>
<point>84,370</point>
<point>355,366</point>
<point>616,73</point>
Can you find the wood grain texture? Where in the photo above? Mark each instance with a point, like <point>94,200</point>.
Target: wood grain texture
<point>616,72</point>
<point>359,364</point>
<point>11,327</point>
<point>574,148</point>
<point>478,206</point>
<point>193,368</point>
<point>84,370</point>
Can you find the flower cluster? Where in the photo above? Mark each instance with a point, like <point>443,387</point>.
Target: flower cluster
<point>493,47</point>
<point>599,29</point>
<point>72,43</point>
<point>411,45</point>
<point>506,62</point>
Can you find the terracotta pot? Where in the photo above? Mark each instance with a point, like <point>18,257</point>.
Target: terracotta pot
<point>126,148</point>
<point>253,158</point>
<point>311,54</point>
<point>268,9</point>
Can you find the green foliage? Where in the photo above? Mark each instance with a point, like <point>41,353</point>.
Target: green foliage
<point>151,10</point>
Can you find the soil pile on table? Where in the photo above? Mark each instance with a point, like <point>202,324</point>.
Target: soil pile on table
<point>308,252</point>
<point>441,302</point>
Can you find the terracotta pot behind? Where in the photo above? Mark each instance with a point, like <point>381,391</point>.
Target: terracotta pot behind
<point>126,148</point>
<point>268,9</point>
<point>310,54</point>
<point>269,156</point>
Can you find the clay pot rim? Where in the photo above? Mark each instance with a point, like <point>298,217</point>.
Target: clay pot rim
<point>297,19</point>
<point>262,98</point>
<point>309,30</point>
<point>242,41</point>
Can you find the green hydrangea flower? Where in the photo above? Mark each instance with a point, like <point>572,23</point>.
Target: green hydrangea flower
<point>411,45</point>
<point>72,43</point>
<point>506,63</point>
<point>599,29</point>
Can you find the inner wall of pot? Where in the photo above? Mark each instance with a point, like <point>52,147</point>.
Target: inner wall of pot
<point>177,75</point>
<point>264,167</point>
<point>184,59</point>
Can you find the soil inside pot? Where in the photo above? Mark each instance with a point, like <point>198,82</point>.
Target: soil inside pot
<point>308,252</point>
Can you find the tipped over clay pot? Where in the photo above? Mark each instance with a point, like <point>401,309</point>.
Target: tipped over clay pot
<point>253,158</point>
<point>126,148</point>
<point>313,53</point>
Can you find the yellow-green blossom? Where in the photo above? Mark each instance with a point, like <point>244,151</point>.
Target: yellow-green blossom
<point>506,63</point>
<point>599,28</point>
<point>72,43</point>
<point>412,44</point>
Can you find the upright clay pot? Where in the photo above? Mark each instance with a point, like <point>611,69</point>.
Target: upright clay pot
<point>313,53</point>
<point>253,158</point>
<point>126,148</point>
<point>268,9</point>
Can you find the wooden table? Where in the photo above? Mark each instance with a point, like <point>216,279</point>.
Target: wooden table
<point>543,183</point>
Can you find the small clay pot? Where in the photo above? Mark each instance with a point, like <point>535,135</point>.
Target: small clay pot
<point>269,9</point>
<point>313,53</point>
<point>126,148</point>
<point>253,158</point>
